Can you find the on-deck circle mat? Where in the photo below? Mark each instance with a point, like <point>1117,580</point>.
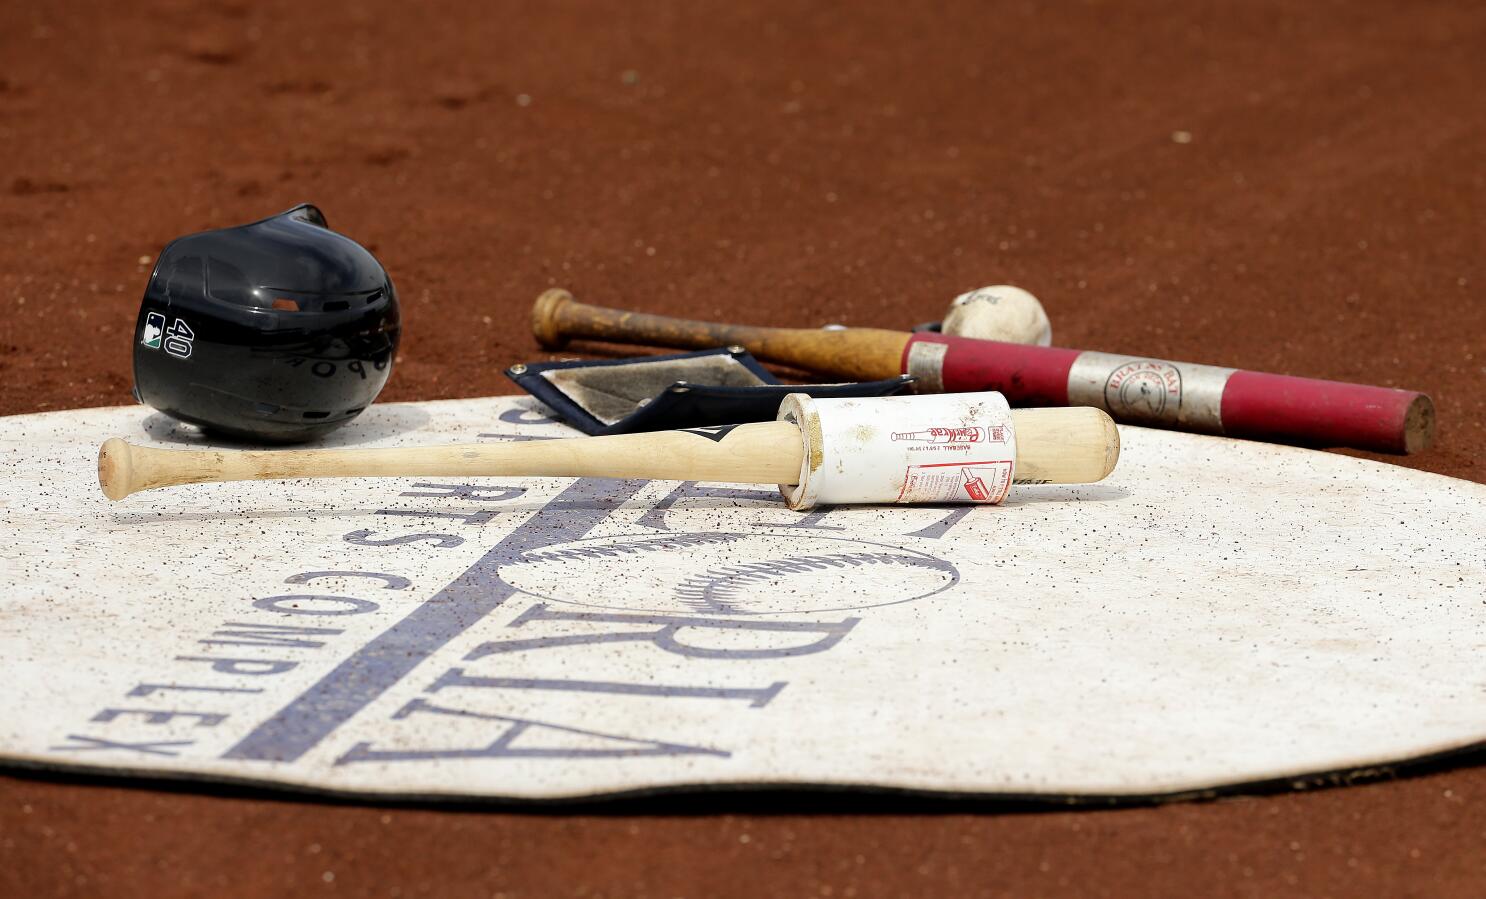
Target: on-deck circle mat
<point>1217,613</point>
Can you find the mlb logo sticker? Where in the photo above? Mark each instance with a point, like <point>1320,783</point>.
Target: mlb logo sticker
<point>154,327</point>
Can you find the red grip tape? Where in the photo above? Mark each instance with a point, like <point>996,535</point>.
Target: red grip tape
<point>1025,375</point>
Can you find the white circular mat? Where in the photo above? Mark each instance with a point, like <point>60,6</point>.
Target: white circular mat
<point>1217,613</point>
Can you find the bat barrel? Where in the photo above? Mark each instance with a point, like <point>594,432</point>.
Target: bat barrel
<point>1183,395</point>
<point>1080,445</point>
<point>1314,412</point>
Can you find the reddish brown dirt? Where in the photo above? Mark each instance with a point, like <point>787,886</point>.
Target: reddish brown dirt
<point>859,162</point>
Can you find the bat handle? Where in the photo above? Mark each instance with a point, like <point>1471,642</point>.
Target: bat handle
<point>557,318</point>
<point>125,469</point>
<point>858,354</point>
<point>756,453</point>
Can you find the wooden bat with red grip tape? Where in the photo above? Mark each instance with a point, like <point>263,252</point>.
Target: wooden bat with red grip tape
<point>1185,396</point>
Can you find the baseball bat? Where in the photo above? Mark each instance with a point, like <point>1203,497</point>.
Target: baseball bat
<point>1061,446</point>
<point>1186,396</point>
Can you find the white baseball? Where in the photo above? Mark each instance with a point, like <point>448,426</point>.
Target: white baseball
<point>1001,312</point>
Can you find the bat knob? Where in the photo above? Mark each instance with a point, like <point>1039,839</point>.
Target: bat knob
<point>116,468</point>
<point>546,316</point>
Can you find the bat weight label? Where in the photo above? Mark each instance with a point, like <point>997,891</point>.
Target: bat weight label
<point>950,448</point>
<point>952,482</point>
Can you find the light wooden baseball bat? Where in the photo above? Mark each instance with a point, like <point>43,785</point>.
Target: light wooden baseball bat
<point>1060,446</point>
<point>1183,395</point>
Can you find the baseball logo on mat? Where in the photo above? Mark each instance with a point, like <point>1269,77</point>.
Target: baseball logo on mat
<point>729,573</point>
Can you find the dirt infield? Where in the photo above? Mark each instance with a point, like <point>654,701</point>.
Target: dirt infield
<point>1287,187</point>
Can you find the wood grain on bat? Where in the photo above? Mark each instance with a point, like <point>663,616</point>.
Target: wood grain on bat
<point>861,354</point>
<point>1053,446</point>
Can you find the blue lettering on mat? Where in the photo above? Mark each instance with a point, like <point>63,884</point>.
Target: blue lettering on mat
<point>757,697</point>
<point>509,742</point>
<point>149,747</point>
<point>353,684</point>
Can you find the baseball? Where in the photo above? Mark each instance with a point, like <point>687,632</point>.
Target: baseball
<point>1001,312</point>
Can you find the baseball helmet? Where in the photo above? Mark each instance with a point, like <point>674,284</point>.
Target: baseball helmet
<point>277,331</point>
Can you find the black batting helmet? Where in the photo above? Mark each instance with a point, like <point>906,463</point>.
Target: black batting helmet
<point>275,331</point>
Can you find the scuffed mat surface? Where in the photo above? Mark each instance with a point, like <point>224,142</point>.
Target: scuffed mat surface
<point>1217,613</point>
